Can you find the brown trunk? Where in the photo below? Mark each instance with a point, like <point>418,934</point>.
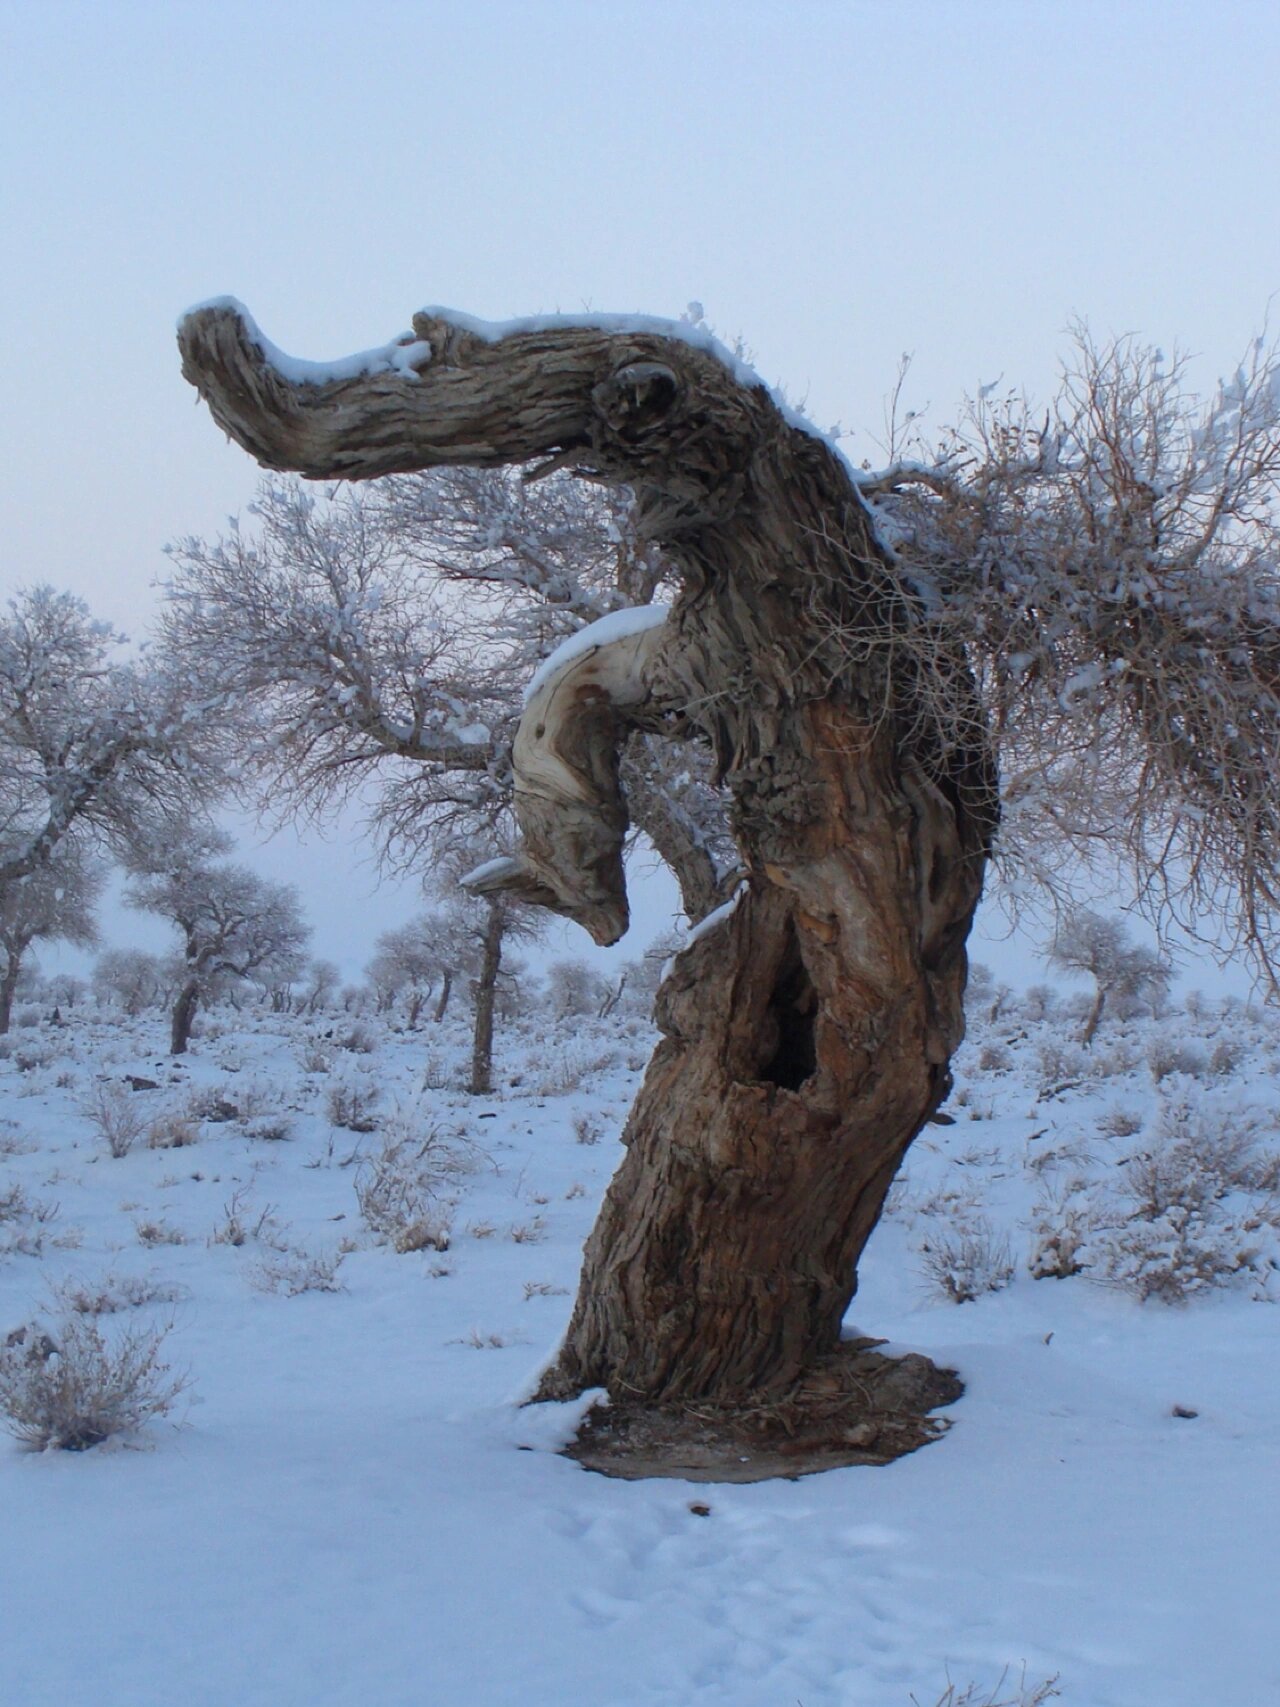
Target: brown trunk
<point>1095,1017</point>
<point>806,1042</point>
<point>486,987</point>
<point>184,1013</point>
<point>446,990</point>
<point>8,984</point>
<point>807,1033</point>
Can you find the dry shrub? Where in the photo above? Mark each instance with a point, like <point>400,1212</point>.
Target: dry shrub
<point>242,1225</point>
<point>113,1293</point>
<point>152,1233</point>
<point>172,1131</point>
<point>1196,1210</point>
<point>402,1190</point>
<point>1024,1694</point>
<point>295,1272</point>
<point>119,1117</point>
<point>1061,1223</point>
<point>1167,1056</point>
<point>967,1263</point>
<point>351,1104</point>
<point>72,1388</point>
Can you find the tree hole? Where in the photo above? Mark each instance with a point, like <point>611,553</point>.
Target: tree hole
<point>789,1020</point>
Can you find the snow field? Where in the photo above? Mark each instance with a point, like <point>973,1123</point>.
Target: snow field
<point>340,1511</point>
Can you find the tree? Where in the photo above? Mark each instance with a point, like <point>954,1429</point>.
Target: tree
<point>409,958</point>
<point>234,925</point>
<point>91,745</point>
<point>55,902</point>
<point>1087,942</point>
<point>131,977</point>
<point>375,643</point>
<point>853,694</point>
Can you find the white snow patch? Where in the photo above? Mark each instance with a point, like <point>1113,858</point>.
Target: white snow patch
<point>618,625</point>
<point>503,866</point>
<point>403,354</point>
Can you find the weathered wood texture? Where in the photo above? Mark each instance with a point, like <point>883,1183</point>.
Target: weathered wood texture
<point>807,1035</point>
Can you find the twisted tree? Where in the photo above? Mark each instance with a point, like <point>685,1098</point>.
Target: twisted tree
<point>808,1028</point>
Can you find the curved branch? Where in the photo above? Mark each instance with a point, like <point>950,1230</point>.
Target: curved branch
<point>568,798</point>
<point>452,392</point>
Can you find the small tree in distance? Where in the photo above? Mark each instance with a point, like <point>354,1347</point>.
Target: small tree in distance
<point>55,902</point>
<point>234,925</point>
<point>1101,947</point>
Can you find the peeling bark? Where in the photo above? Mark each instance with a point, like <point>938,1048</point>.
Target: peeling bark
<point>807,1035</point>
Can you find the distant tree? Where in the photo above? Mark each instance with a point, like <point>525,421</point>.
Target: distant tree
<point>408,961</point>
<point>234,925</point>
<point>92,744</point>
<point>574,990</point>
<point>131,978</point>
<point>54,902</point>
<point>321,982</point>
<point>1101,947</point>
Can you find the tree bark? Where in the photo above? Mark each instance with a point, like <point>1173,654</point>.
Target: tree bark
<point>1094,1020</point>
<point>446,990</point>
<point>486,988</point>
<point>183,1017</point>
<point>8,985</point>
<point>807,1033</point>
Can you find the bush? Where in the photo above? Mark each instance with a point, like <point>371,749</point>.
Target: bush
<point>401,1190</point>
<point>966,1264</point>
<point>351,1105</point>
<point>72,1388</point>
<point>118,1115</point>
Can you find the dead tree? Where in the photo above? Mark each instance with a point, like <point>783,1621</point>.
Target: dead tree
<point>809,1027</point>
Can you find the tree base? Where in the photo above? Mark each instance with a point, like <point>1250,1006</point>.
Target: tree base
<point>855,1407</point>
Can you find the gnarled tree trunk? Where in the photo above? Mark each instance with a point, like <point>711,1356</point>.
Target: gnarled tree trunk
<point>808,1030</point>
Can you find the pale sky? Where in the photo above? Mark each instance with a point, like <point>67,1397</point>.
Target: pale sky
<point>838,183</point>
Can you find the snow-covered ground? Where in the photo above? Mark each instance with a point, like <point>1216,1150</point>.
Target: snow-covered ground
<point>342,1508</point>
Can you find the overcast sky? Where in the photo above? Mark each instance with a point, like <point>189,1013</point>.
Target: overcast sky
<point>837,183</point>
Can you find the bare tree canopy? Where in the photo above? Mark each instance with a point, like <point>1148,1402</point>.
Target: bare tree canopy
<point>90,744</point>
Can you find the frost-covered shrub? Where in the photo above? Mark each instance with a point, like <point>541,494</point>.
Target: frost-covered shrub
<point>587,1130</point>
<point>403,1190</point>
<point>71,1387</point>
<point>154,1232</point>
<point>351,1104</point>
<point>358,1039</point>
<point>118,1115</point>
<point>295,1272</point>
<point>315,1058</point>
<point>113,1293</point>
<point>1169,1055</point>
<point>1225,1057</point>
<point>274,1128</point>
<point>172,1131</point>
<point>1196,1209</point>
<point>995,1058</point>
<point>967,1263</point>
<point>1062,1220</point>
<point>1120,1123</point>
<point>1060,1064</point>
<point>1185,1250</point>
